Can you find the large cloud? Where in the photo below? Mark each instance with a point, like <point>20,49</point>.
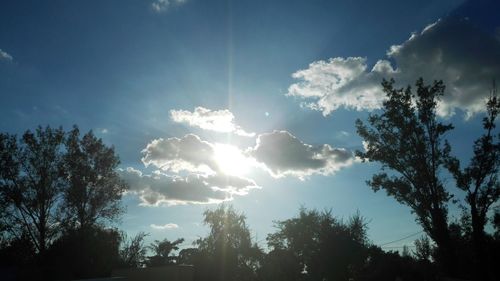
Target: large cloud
<point>452,50</point>
<point>191,170</point>
<point>213,120</point>
<point>158,188</point>
<point>283,154</point>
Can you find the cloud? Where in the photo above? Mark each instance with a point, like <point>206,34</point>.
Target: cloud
<point>160,6</point>
<point>188,154</point>
<point>283,154</point>
<point>165,226</point>
<point>452,50</point>
<point>4,56</point>
<point>212,120</point>
<point>189,170</point>
<point>158,188</point>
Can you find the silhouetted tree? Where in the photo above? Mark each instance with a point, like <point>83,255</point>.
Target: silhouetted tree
<point>480,181</point>
<point>133,251</point>
<point>94,190</point>
<point>407,139</point>
<point>317,246</point>
<point>227,253</point>
<point>281,265</point>
<point>162,250</point>
<point>423,248</point>
<point>84,253</point>
<point>188,256</point>
<point>31,180</point>
<point>391,265</point>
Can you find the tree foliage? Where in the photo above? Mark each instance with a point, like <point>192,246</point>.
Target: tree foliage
<point>480,181</point>
<point>162,251</point>
<point>227,253</point>
<point>31,182</point>
<point>133,250</point>
<point>407,139</point>
<point>94,189</point>
<point>316,246</point>
<point>50,178</point>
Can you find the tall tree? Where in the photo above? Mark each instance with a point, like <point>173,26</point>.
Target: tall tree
<point>407,139</point>
<point>480,180</point>
<point>227,253</point>
<point>31,180</point>
<point>93,194</point>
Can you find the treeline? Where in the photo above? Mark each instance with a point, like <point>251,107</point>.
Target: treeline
<point>313,245</point>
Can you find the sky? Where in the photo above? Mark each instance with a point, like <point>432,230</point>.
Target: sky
<point>252,103</point>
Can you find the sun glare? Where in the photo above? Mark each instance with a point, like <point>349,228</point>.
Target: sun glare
<point>231,160</point>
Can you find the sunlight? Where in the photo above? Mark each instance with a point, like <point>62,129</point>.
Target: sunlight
<point>230,160</point>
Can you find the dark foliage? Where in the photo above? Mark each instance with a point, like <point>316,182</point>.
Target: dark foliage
<point>407,139</point>
<point>94,188</point>
<point>133,251</point>
<point>227,253</point>
<point>317,246</point>
<point>162,251</point>
<point>87,253</point>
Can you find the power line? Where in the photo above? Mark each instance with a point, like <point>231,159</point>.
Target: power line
<point>399,247</point>
<point>401,239</point>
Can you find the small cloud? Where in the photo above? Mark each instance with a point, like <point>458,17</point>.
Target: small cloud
<point>4,56</point>
<point>104,131</point>
<point>342,134</point>
<point>212,120</point>
<point>160,6</point>
<point>165,226</point>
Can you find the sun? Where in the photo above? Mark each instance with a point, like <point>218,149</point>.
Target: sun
<point>231,160</point>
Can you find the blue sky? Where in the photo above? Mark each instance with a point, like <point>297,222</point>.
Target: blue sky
<point>291,75</point>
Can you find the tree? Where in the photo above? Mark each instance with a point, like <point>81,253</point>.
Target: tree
<point>316,246</point>
<point>407,139</point>
<point>423,248</point>
<point>480,180</point>
<point>31,180</point>
<point>94,189</point>
<point>133,251</point>
<point>83,253</point>
<point>227,253</point>
<point>162,250</point>
<point>50,178</point>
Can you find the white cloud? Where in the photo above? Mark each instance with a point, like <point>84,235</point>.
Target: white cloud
<point>282,154</point>
<point>158,188</point>
<point>160,6</point>
<point>4,56</point>
<point>452,50</point>
<point>189,170</point>
<point>165,226</point>
<point>188,154</point>
<point>212,120</point>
